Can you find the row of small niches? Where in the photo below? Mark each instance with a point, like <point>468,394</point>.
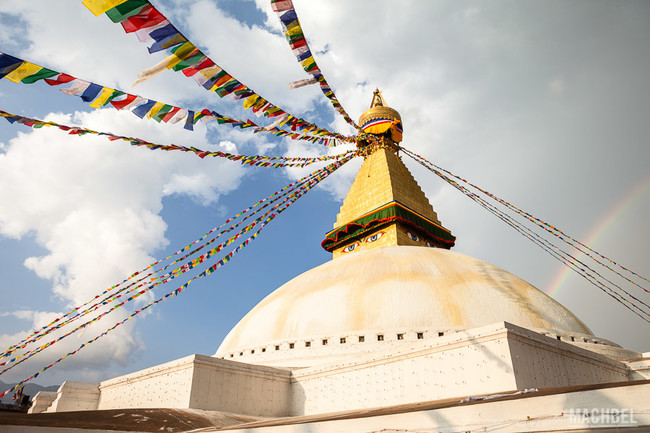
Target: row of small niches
<point>573,339</point>
<point>420,336</point>
<point>342,340</point>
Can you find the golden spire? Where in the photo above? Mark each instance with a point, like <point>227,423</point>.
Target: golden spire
<point>385,205</point>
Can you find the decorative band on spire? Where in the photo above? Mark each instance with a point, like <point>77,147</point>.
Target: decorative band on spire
<point>390,212</point>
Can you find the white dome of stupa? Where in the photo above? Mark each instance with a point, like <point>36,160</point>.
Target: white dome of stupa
<point>400,293</point>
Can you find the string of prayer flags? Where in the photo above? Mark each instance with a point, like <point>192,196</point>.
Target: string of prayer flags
<point>104,298</point>
<point>584,249</point>
<point>21,71</point>
<point>135,293</point>
<point>627,299</point>
<point>315,178</point>
<point>152,27</point>
<point>292,193</point>
<point>285,11</point>
<point>252,160</point>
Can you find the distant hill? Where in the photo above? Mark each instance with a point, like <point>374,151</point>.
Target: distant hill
<point>30,389</point>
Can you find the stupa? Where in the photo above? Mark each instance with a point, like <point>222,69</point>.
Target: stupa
<point>395,333</point>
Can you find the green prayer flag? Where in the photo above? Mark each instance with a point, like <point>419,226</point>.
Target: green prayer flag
<point>43,73</point>
<point>125,10</point>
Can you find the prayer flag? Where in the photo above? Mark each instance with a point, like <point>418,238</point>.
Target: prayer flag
<point>250,101</point>
<point>121,103</point>
<point>281,5</point>
<point>59,79</point>
<point>99,7</point>
<point>288,17</point>
<point>142,110</point>
<point>25,69</point>
<point>189,123</point>
<point>169,113</point>
<point>189,61</point>
<point>102,99</point>
<point>91,92</point>
<point>125,10</point>
<point>8,63</point>
<point>162,112</point>
<point>194,69</point>
<point>77,88</point>
<point>166,43</point>
<point>146,17</point>
<point>181,52</point>
<point>144,35</point>
<point>301,83</point>
<point>180,114</point>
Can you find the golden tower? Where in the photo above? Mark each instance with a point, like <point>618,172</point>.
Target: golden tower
<point>385,205</point>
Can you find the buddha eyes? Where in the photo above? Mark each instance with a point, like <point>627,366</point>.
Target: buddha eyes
<point>374,237</point>
<point>350,247</point>
<point>369,239</point>
<point>412,236</point>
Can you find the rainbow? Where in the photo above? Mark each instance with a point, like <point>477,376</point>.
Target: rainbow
<point>599,230</point>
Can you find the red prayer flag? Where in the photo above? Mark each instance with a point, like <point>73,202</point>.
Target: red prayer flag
<point>59,79</point>
<point>169,115</point>
<point>123,102</point>
<point>301,43</point>
<point>147,17</point>
<point>193,70</point>
<point>282,5</point>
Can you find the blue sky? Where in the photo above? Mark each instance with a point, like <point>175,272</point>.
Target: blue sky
<point>546,105</point>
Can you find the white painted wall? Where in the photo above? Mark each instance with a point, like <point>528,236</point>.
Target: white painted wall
<point>202,382</point>
<point>74,396</point>
<point>42,401</point>
<point>491,359</point>
<point>240,388</point>
<point>167,386</point>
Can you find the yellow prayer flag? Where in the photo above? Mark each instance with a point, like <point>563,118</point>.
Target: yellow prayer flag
<point>292,25</point>
<point>99,7</point>
<point>156,108</point>
<point>250,101</point>
<point>293,31</point>
<point>103,96</point>
<point>308,61</point>
<point>210,72</point>
<point>259,104</point>
<point>180,54</point>
<point>24,70</point>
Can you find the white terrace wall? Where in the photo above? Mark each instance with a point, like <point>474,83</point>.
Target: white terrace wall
<point>74,396</point>
<point>241,388</point>
<point>546,362</point>
<point>202,382</point>
<point>486,360</point>
<point>167,386</point>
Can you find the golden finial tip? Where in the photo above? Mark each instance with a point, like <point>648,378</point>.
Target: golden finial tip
<point>380,118</point>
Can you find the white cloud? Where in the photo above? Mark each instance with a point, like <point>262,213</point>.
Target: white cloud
<point>95,205</point>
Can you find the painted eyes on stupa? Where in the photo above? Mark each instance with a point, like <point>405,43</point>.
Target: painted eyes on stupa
<point>369,239</point>
<point>350,247</point>
<point>412,236</point>
<point>374,237</point>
